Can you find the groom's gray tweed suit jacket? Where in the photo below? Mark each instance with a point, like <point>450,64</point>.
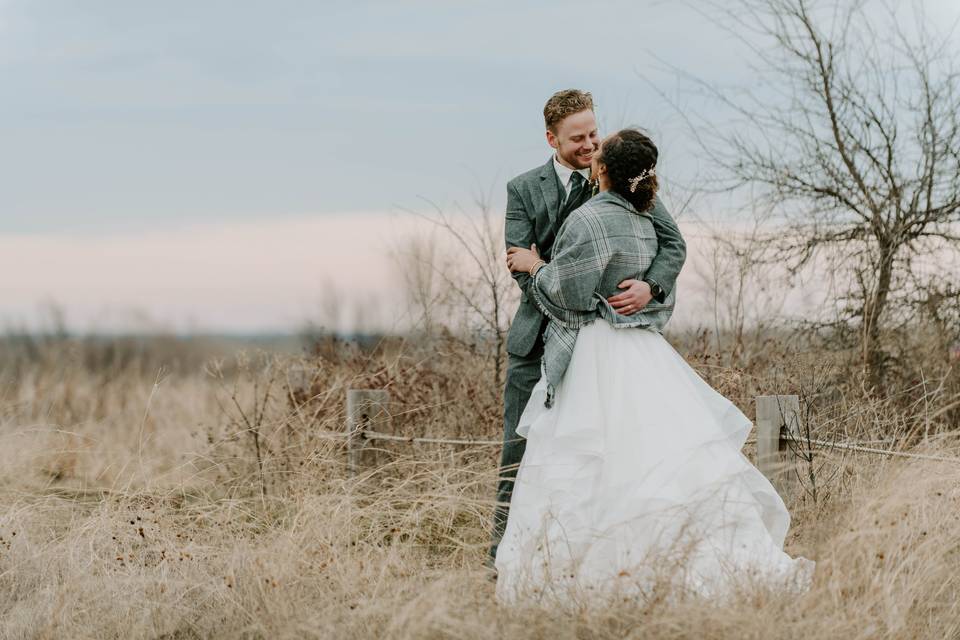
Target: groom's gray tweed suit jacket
<point>533,207</point>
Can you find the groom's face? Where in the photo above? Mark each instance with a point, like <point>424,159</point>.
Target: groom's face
<point>575,139</point>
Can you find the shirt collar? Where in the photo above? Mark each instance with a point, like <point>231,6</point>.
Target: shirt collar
<point>565,173</point>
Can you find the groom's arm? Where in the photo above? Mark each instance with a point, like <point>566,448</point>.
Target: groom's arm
<point>671,251</point>
<point>518,230</point>
<point>663,271</point>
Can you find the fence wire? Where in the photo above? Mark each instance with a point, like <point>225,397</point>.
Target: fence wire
<point>859,448</point>
<point>363,434</point>
<point>847,446</point>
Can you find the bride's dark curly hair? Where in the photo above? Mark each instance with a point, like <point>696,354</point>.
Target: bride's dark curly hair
<point>627,154</point>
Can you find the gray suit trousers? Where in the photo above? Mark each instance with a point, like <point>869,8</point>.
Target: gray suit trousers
<point>523,373</point>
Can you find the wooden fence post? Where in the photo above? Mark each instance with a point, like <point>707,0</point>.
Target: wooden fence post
<point>366,409</point>
<point>777,416</point>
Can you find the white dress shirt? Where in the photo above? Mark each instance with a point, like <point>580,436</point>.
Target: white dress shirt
<point>566,173</point>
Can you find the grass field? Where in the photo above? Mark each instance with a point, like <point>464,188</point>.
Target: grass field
<point>208,500</point>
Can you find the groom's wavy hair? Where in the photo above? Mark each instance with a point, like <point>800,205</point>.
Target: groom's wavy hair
<point>565,103</point>
<point>628,154</point>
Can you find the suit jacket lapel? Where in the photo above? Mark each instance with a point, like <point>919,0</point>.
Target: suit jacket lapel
<point>550,187</point>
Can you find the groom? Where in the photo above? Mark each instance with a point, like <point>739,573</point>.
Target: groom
<point>538,202</point>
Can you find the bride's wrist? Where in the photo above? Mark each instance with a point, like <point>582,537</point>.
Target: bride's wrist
<point>536,267</point>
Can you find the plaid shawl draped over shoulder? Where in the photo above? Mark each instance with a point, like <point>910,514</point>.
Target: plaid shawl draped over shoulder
<point>600,244</point>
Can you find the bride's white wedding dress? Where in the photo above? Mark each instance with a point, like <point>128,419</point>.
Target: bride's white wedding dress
<point>634,480</point>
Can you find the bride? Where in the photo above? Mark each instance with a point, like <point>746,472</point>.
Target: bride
<point>633,478</point>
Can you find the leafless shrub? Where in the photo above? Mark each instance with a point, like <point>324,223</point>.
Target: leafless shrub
<point>425,291</point>
<point>743,285</point>
<point>460,274</point>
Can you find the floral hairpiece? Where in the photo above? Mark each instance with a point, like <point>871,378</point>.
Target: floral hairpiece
<point>640,178</point>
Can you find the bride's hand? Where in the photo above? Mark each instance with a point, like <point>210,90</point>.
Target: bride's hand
<point>519,259</point>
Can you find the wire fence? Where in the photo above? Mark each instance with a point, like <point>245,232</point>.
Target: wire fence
<point>776,427</point>
<point>847,446</point>
<point>859,448</point>
<point>374,435</point>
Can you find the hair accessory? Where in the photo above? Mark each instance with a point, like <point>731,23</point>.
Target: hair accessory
<point>640,178</point>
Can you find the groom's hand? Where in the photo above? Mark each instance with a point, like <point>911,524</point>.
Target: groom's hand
<point>635,298</point>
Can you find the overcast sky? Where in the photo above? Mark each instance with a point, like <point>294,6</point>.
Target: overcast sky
<point>119,114</point>
<point>126,121</point>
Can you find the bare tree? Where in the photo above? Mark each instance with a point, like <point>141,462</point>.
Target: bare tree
<point>471,275</point>
<point>855,138</point>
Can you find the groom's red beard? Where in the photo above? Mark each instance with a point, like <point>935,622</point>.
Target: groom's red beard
<point>579,159</point>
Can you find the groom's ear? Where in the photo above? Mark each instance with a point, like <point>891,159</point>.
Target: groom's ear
<point>552,139</point>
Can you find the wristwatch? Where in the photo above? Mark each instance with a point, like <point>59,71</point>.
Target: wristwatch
<point>656,290</point>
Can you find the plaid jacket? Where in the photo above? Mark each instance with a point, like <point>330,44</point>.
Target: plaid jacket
<point>599,245</point>
<point>533,215</point>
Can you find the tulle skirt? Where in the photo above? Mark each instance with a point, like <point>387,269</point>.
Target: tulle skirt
<point>634,481</point>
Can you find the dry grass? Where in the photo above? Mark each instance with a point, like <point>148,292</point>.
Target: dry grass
<point>135,508</point>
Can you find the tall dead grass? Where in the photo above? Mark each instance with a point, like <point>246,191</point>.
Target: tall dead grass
<point>134,506</point>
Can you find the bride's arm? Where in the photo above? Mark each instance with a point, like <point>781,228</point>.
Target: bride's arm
<point>569,280</point>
